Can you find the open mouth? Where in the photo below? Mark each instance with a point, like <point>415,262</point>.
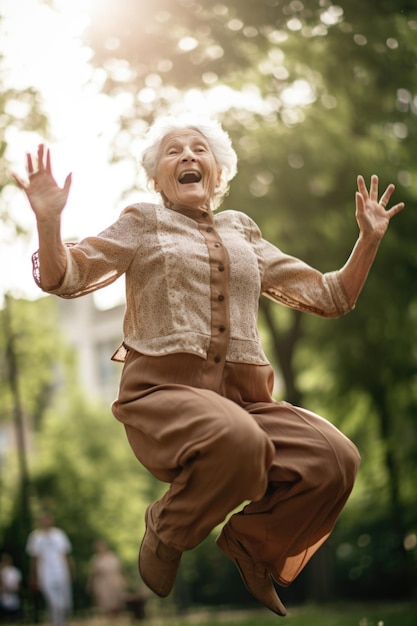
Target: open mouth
<point>189,176</point>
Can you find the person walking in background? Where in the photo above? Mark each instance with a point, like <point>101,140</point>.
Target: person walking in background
<point>51,568</point>
<point>195,394</point>
<point>10,581</point>
<point>106,582</point>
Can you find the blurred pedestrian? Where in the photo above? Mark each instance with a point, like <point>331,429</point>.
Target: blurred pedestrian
<point>106,582</point>
<point>10,581</point>
<point>51,568</point>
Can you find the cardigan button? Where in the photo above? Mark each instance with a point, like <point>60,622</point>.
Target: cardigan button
<point>221,268</point>
<point>217,358</point>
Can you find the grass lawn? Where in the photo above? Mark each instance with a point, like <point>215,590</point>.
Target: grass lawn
<point>343,615</point>
<point>333,615</point>
<point>346,614</point>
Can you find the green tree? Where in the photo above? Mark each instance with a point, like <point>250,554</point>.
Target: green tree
<point>20,110</point>
<point>30,356</point>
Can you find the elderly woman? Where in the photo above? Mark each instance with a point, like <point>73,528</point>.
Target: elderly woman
<point>195,394</point>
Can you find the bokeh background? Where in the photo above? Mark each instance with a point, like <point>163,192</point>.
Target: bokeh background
<point>313,93</point>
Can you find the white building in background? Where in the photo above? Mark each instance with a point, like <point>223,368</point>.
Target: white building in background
<point>95,334</point>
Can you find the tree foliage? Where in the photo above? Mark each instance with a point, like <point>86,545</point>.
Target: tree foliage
<point>20,110</point>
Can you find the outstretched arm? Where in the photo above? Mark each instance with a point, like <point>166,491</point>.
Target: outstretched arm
<point>373,219</point>
<point>47,200</point>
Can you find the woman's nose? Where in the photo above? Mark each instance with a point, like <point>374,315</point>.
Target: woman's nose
<point>188,154</point>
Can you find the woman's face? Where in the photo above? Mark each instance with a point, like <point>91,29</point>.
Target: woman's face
<point>187,173</point>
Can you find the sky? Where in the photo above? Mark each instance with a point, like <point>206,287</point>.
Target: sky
<point>44,51</point>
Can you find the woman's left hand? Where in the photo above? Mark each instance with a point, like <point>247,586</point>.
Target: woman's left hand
<point>371,214</point>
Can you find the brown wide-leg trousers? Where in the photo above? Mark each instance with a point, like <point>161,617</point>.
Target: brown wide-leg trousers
<point>223,442</point>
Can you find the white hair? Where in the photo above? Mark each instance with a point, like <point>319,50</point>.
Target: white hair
<point>217,138</point>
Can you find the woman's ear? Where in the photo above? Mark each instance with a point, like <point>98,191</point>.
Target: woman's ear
<point>156,185</point>
<point>219,177</point>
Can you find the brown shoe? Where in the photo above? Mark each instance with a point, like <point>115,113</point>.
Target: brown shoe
<point>256,578</point>
<point>158,563</point>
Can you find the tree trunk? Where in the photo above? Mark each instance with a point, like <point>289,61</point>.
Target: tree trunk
<point>13,380</point>
<point>284,346</point>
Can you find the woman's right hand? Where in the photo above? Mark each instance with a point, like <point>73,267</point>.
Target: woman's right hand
<point>46,198</point>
